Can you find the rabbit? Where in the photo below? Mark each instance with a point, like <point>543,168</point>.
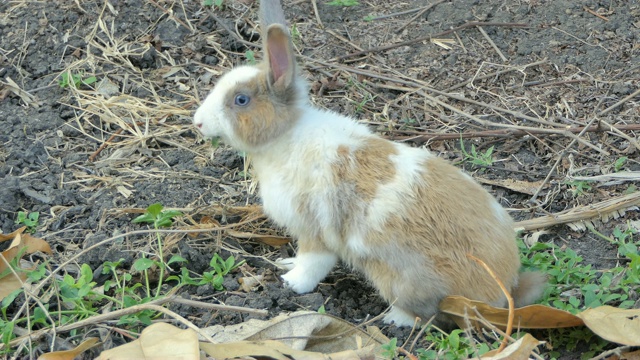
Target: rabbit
<point>400,215</point>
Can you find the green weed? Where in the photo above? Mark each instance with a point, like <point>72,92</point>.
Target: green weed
<point>295,34</point>
<point>455,345</point>
<point>30,220</point>
<point>214,277</point>
<point>619,163</point>
<point>578,187</point>
<point>343,3</point>
<point>159,218</point>
<point>250,56</point>
<point>575,286</point>
<point>68,79</point>
<point>214,3</point>
<point>390,349</point>
<point>477,158</point>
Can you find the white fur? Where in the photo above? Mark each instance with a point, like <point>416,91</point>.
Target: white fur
<point>308,270</point>
<point>399,317</point>
<point>500,213</point>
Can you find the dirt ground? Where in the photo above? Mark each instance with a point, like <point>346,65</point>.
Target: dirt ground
<point>90,158</point>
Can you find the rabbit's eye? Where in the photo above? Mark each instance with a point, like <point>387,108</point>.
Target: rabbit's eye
<point>242,100</point>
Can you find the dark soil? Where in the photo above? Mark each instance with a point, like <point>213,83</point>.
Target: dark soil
<point>154,61</point>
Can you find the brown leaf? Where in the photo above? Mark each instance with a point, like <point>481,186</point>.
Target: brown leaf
<point>613,324</point>
<point>271,240</point>
<point>10,283</point>
<point>520,349</point>
<point>528,317</point>
<point>271,349</point>
<point>70,354</point>
<point>11,236</point>
<point>21,244</point>
<point>158,341</point>
<point>524,187</point>
<point>34,244</point>
<point>635,355</point>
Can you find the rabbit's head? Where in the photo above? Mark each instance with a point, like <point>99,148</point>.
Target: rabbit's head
<point>251,106</point>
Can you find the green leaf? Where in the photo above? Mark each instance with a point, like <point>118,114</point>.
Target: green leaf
<point>69,293</point>
<point>321,310</point>
<point>619,163</point>
<point>155,209</point>
<point>86,274</point>
<point>229,263</point>
<point>37,274</point>
<point>90,80</point>
<point>145,218</point>
<point>176,259</point>
<point>142,264</point>
<point>454,339</point>
<point>7,331</point>
<point>9,298</point>
<point>217,282</point>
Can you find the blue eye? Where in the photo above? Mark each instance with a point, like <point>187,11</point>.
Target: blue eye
<point>242,100</point>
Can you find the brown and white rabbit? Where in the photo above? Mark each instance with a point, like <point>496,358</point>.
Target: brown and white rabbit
<point>403,217</point>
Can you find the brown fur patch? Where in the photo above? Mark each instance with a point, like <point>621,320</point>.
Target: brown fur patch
<point>448,216</point>
<point>367,167</point>
<point>267,115</point>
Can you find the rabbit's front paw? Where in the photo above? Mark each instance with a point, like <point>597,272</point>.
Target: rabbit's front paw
<point>307,269</point>
<point>399,317</point>
<point>299,281</point>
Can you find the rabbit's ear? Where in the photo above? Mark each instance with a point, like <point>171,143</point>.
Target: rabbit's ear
<point>279,56</point>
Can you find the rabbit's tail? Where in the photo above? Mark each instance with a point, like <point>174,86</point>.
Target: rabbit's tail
<point>530,287</point>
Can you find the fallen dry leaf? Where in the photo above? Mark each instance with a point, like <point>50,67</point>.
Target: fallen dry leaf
<point>524,187</point>
<point>11,236</point>
<point>158,341</point>
<point>613,324</point>
<point>270,349</point>
<point>70,354</point>
<point>301,330</point>
<point>528,317</point>
<point>271,240</point>
<point>10,283</point>
<point>20,245</point>
<point>635,355</point>
<point>520,349</point>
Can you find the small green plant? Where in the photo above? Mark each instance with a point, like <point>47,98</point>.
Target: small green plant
<point>220,268</point>
<point>455,345</point>
<point>477,158</point>
<point>617,166</point>
<point>251,57</point>
<point>155,215</point>
<point>68,79</point>
<point>295,34</point>
<point>368,18</point>
<point>578,187</point>
<point>214,3</point>
<point>390,349</point>
<point>321,310</point>
<point>343,3</point>
<point>30,220</point>
<point>575,286</point>
<point>215,277</point>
